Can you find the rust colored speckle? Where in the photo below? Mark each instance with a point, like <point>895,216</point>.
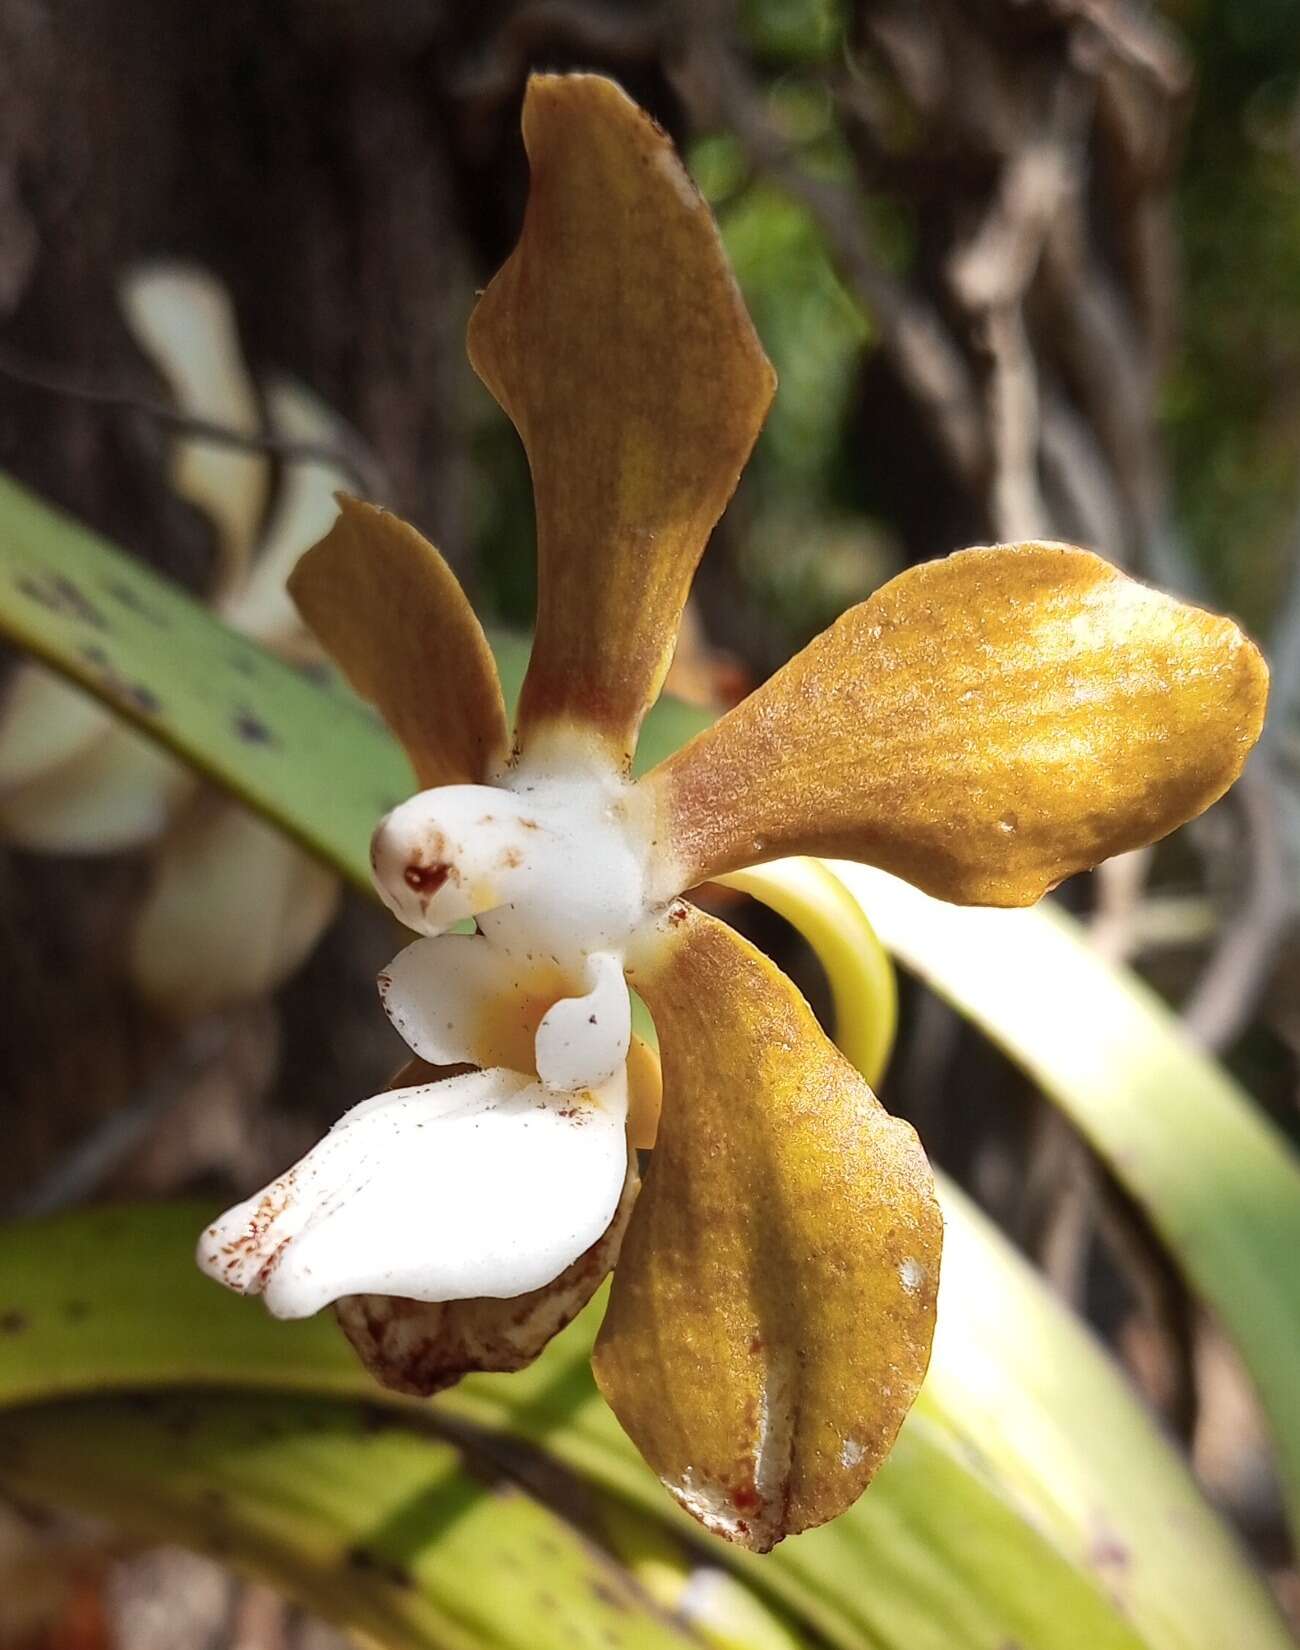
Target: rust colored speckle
<point>426,880</point>
<point>756,1343</point>
<point>267,1211</point>
<point>511,859</point>
<point>678,915</point>
<point>269,1265</point>
<point>530,825</point>
<point>745,1498</point>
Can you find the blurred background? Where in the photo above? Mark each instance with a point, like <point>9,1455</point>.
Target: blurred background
<point>1026,268</point>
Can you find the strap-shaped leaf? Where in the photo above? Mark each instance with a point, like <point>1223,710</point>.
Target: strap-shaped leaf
<point>617,341</point>
<point>1024,1447</point>
<point>303,753</point>
<point>392,613</point>
<point>372,1521</point>
<point>983,725</point>
<point>773,1306</point>
<point>1221,1185</point>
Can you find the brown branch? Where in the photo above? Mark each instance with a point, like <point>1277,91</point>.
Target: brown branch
<point>95,1157</point>
<point>352,458</point>
<point>1228,991</point>
<point>714,84</point>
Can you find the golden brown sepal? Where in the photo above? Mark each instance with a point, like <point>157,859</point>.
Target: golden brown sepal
<point>392,614</point>
<point>983,726</point>
<point>616,339</point>
<point>772,1311</point>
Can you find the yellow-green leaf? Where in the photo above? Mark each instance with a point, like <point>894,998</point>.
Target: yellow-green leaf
<point>1025,1464</point>
<point>363,1516</point>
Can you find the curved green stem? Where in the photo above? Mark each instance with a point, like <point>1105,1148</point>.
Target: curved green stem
<point>861,975</point>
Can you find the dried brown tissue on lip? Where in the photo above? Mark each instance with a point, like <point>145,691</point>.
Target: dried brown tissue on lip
<point>426,880</point>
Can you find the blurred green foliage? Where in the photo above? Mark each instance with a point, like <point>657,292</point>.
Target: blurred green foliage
<point>1232,404</point>
<point>793,31</point>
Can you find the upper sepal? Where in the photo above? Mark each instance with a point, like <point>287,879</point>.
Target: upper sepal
<point>617,341</point>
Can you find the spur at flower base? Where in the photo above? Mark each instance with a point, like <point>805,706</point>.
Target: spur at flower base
<point>983,726</point>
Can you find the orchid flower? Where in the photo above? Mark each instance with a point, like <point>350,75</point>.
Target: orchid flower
<point>983,725</point>
<point>233,907</point>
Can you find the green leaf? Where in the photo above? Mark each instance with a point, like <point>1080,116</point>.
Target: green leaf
<point>1219,1183</point>
<point>1027,1491</point>
<point>363,1516</point>
<point>261,728</point>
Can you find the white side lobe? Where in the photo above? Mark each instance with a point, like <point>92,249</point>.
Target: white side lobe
<point>439,994</point>
<point>583,1041</point>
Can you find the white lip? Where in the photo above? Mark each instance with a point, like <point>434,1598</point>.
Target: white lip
<point>489,1183</point>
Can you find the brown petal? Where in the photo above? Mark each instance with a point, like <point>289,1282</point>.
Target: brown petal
<point>616,340</point>
<point>393,614</point>
<point>421,1347</point>
<point>772,1310</point>
<point>983,726</point>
